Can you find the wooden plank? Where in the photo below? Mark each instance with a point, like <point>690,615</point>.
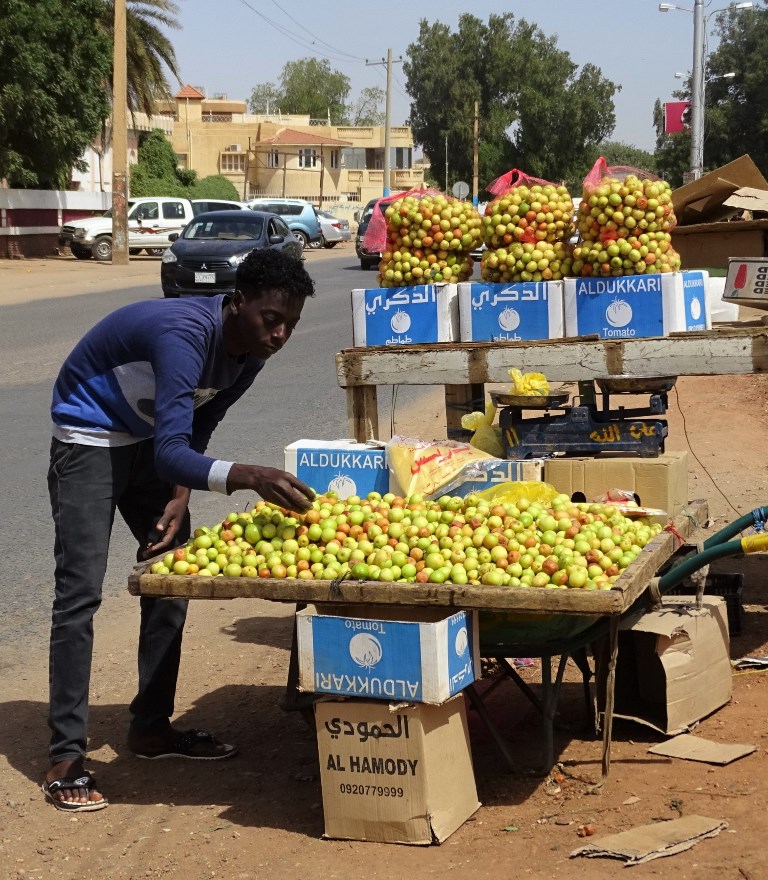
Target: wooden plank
<point>363,412</point>
<point>736,350</point>
<point>627,588</point>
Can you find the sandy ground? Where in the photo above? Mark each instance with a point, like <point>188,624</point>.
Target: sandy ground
<point>260,814</point>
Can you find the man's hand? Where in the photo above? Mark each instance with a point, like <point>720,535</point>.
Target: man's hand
<point>169,523</point>
<point>274,485</point>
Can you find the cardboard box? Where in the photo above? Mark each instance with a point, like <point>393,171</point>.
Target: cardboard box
<point>420,655</point>
<point>394,773</point>
<point>673,665</point>
<point>704,237</point>
<point>637,305</point>
<point>747,282</point>
<point>405,315</point>
<point>486,474</point>
<point>341,466</point>
<point>510,312</point>
<point>659,482</point>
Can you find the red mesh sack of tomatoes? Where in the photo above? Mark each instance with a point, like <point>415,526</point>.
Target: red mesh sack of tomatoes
<point>429,238</point>
<point>625,220</point>
<point>526,228</point>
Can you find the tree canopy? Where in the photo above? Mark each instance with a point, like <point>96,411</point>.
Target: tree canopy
<point>537,110</point>
<point>54,60</point>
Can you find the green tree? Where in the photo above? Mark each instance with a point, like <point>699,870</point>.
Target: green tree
<point>307,87</point>
<point>215,186</point>
<point>157,171</point>
<point>366,110</point>
<point>673,151</point>
<point>537,110</point>
<point>736,109</point>
<point>53,63</point>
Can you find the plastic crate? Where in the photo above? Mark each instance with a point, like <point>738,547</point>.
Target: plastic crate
<point>728,585</point>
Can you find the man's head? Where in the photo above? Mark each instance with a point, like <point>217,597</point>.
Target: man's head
<point>270,291</point>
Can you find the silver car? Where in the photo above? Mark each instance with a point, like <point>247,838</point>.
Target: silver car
<point>334,229</point>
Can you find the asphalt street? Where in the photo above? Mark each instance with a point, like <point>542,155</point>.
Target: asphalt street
<point>45,306</point>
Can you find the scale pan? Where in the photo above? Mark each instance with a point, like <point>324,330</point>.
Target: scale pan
<point>530,401</point>
<point>636,384</point>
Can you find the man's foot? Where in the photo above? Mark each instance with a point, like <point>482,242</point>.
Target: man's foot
<point>194,745</point>
<point>71,789</point>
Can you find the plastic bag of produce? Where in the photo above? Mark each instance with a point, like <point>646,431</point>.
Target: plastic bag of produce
<point>625,223</point>
<point>512,493</point>
<point>512,178</point>
<point>528,384</point>
<point>375,238</point>
<point>421,467</point>
<point>487,436</point>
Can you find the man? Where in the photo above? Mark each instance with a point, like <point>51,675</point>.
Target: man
<point>134,407</point>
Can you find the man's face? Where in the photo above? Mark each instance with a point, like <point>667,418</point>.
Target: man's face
<point>262,325</point>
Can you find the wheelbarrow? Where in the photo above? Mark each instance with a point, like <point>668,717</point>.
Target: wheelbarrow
<point>567,636</point>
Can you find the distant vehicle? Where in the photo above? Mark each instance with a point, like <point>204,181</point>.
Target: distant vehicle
<point>300,216</point>
<point>368,259</point>
<point>151,220</point>
<point>334,229</point>
<point>203,259</point>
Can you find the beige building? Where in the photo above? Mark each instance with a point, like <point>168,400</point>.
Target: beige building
<point>288,156</point>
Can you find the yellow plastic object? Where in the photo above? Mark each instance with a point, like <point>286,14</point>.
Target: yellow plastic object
<point>511,493</point>
<point>487,436</point>
<point>528,384</point>
<point>421,467</point>
<point>757,543</point>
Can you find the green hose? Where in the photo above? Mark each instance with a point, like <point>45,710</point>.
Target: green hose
<point>695,561</point>
<point>732,529</point>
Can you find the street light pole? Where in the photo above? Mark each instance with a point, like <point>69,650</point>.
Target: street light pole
<point>697,91</point>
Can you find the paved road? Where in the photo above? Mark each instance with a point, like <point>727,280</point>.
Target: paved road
<point>45,306</point>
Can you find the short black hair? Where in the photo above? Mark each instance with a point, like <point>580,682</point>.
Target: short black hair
<point>268,270</point>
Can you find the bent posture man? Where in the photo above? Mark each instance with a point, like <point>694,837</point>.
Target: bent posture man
<point>133,409</point>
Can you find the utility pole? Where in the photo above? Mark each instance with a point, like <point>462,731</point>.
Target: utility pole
<point>387,118</point>
<point>475,157</point>
<point>119,141</point>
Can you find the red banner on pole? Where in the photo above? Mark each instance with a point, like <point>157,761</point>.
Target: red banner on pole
<point>674,116</point>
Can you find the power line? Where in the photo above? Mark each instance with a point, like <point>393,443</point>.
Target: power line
<point>314,36</point>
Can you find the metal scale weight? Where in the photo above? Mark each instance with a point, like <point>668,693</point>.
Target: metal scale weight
<point>586,426</point>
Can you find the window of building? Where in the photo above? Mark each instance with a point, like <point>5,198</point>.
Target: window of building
<point>353,158</point>
<point>273,159</point>
<point>335,161</point>
<point>232,163</point>
<point>307,158</point>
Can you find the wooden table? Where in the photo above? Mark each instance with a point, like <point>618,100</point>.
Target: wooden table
<point>464,368</point>
<point>608,605</point>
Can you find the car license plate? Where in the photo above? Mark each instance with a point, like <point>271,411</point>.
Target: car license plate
<point>205,277</point>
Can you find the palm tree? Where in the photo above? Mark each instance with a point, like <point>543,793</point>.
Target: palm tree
<point>147,50</point>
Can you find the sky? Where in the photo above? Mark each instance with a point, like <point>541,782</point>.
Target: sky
<point>229,46</point>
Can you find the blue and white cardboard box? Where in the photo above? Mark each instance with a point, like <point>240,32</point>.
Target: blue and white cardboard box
<point>632,306</point>
<point>510,312</point>
<point>405,315</point>
<point>420,655</point>
<point>341,466</point>
<point>487,473</point>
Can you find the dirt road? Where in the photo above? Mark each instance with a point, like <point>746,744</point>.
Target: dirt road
<point>260,815</point>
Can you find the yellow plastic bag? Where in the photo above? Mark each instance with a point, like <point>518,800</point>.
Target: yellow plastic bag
<point>487,436</point>
<point>528,384</point>
<point>421,467</point>
<point>511,493</point>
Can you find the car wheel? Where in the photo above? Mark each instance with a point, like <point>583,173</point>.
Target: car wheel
<point>302,237</point>
<point>80,255</point>
<point>330,244</point>
<point>155,252</point>
<point>368,264</point>
<point>102,248</point>
<point>316,245</point>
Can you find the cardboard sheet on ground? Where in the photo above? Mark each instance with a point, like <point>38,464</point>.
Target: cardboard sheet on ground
<point>647,842</point>
<point>694,748</point>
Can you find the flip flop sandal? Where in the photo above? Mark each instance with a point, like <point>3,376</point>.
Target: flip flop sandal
<point>193,745</point>
<point>70,783</point>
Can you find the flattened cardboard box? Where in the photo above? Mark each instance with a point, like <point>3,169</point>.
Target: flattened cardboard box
<point>674,665</point>
<point>419,655</point>
<point>394,773</point>
<point>659,482</point>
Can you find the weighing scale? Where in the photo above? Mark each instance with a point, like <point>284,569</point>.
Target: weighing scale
<point>583,427</point>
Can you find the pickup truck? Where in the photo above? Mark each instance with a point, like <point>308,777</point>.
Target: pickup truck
<point>151,220</point>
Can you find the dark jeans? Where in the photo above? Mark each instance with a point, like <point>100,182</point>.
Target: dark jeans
<point>86,485</point>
